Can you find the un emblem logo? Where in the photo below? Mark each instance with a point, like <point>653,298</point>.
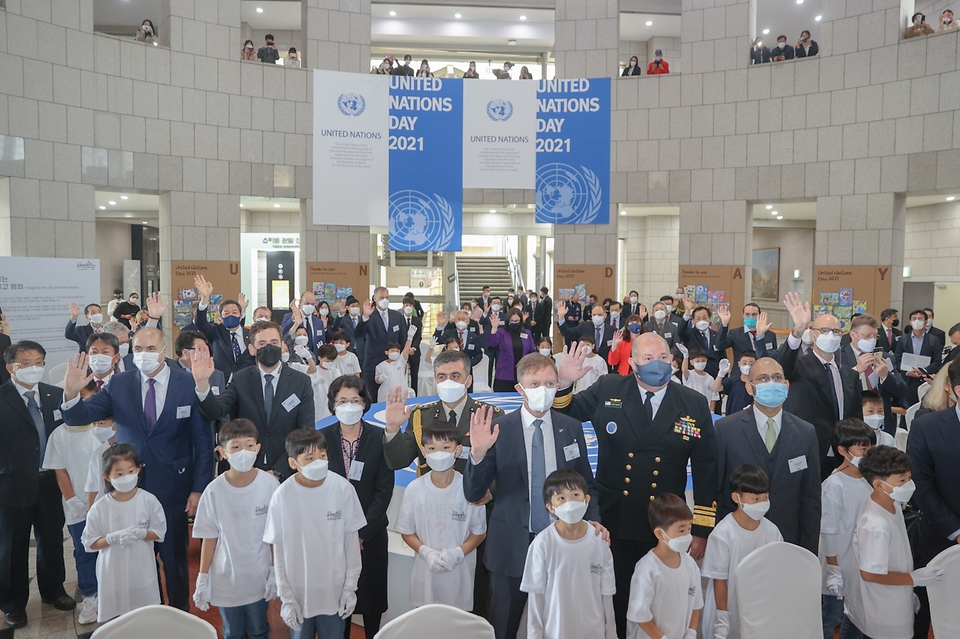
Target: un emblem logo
<point>499,110</point>
<point>566,195</point>
<point>420,222</point>
<point>351,104</point>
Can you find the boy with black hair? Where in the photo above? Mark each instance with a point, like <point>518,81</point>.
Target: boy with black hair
<point>438,523</point>
<point>734,386</point>
<point>312,524</point>
<point>698,379</point>
<point>842,496</point>
<point>230,520</point>
<point>873,417</point>
<point>736,536</point>
<point>596,366</point>
<point>346,362</point>
<point>568,572</point>
<point>882,550</point>
<point>665,592</point>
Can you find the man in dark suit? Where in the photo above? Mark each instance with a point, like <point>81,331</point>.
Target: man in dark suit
<point>755,335</point>
<point>781,444</point>
<point>347,323</point>
<point>933,330</point>
<point>228,340</point>
<point>410,318</point>
<point>822,391</point>
<point>632,305</point>
<point>103,357</point>
<point>877,372</point>
<point>469,340</point>
<point>155,410</point>
<point>647,428</point>
<point>919,341</point>
<point>518,451</point>
<point>616,318</point>
<point>305,314</point>
<point>539,316</point>
<point>29,497</point>
<point>379,325</point>
<point>571,314</point>
<point>276,398</point>
<point>889,333</point>
<point>80,334</point>
<point>547,302</point>
<point>664,324</point>
<point>598,328</point>
<point>496,307</point>
<point>697,333</point>
<point>484,300</point>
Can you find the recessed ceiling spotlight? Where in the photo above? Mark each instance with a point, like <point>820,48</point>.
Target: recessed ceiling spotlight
<point>951,198</point>
<point>124,197</point>
<point>276,206</point>
<point>144,223</point>
<point>799,1</point>
<point>774,213</point>
<point>766,31</point>
<point>493,210</point>
<point>102,208</point>
<point>393,13</point>
<point>523,17</point>
<point>649,23</point>
<point>769,206</point>
<point>818,18</point>
<point>623,212</point>
<point>112,203</point>
<point>512,43</point>
<point>259,9</point>
<point>457,16</point>
<point>779,217</point>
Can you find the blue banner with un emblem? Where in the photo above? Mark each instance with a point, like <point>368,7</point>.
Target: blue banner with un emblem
<point>573,151</point>
<point>426,160</point>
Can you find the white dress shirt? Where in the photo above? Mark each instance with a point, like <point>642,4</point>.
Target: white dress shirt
<point>160,388</point>
<point>276,376</point>
<point>549,449</point>
<point>23,389</point>
<point>656,400</point>
<point>762,422</point>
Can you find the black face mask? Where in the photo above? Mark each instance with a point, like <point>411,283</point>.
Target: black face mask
<point>514,326</point>
<point>896,323</point>
<point>269,355</point>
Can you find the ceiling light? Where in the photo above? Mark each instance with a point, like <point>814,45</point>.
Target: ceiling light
<point>769,206</point>
<point>393,13</point>
<point>766,31</point>
<point>649,23</point>
<point>512,43</point>
<point>774,213</point>
<point>493,210</point>
<point>241,205</point>
<point>124,197</point>
<point>144,223</point>
<point>818,18</point>
<point>623,212</point>
<point>102,208</point>
<point>523,17</point>
<point>112,203</point>
<point>951,198</point>
<point>276,206</point>
<point>779,217</point>
<point>259,9</point>
<point>799,1</point>
<point>457,16</point>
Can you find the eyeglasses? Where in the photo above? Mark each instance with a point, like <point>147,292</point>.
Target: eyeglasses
<point>763,379</point>
<point>344,402</point>
<point>826,331</point>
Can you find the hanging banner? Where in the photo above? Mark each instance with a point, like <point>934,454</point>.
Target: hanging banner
<point>350,154</point>
<point>573,151</point>
<point>499,140</point>
<point>426,164</point>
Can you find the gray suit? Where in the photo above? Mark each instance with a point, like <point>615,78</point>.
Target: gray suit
<point>794,491</point>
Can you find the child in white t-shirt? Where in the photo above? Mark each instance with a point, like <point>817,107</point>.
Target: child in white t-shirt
<point>93,486</point>
<point>595,366</point>
<point>122,527</point>
<point>568,573</point>
<point>872,405</point>
<point>882,550</point>
<point>698,379</point>
<point>438,523</point>
<point>665,592</point>
<point>392,372</point>
<point>736,536</point>
<point>236,571</point>
<point>347,362</point>
<point>312,524</point>
<point>326,371</point>
<point>842,497</point>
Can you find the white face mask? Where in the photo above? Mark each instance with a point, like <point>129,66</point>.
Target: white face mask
<point>384,304</point>
<point>100,364</point>
<point>324,311</point>
<point>828,343</point>
<point>146,362</point>
<point>125,483</point>
<point>315,470</point>
<point>632,63</point>
<point>700,366</point>
<point>902,493</point>
<point>781,44</point>
<point>633,299</point>
<point>125,349</point>
<point>96,318</point>
<point>571,512</point>
<point>807,337</point>
<point>440,461</point>
<point>659,315</point>
<point>349,414</point>
<point>539,399</point>
<point>874,421</point>
<point>495,308</point>
<point>450,391</point>
<point>670,309</point>
<point>855,461</point>
<point>745,370</point>
<point>242,460</point>
<point>614,314</point>
<point>103,433</point>
<point>301,340</point>
<point>308,309</point>
<point>702,325</point>
<point>284,357</point>
<point>598,320</point>
<point>408,310</point>
<point>461,325</point>
<point>867,345</point>
<point>354,310</point>
<point>30,375</point>
<point>393,356</point>
<point>756,511</point>
<point>261,319</point>
<point>918,324</point>
<point>546,352</point>
<point>340,347</point>
<point>680,544</point>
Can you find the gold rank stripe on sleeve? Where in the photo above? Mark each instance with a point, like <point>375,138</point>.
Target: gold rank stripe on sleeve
<point>705,516</point>
<point>562,401</point>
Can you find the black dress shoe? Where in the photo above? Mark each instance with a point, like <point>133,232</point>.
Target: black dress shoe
<point>16,619</point>
<point>63,602</point>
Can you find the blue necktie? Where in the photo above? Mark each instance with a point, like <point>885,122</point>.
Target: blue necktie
<point>539,516</point>
<point>37,421</point>
<point>236,347</point>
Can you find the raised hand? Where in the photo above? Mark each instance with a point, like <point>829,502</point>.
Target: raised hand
<point>572,365</point>
<point>202,365</point>
<point>204,287</point>
<point>880,367</point>
<point>763,324</point>
<point>643,311</point>
<point>683,350</point>
<point>243,302</point>
<point>77,377</point>
<point>154,305</point>
<point>341,307</point>
<point>295,315</point>
<point>724,313</point>
<point>483,433</point>
<point>397,411</point>
<point>617,338</point>
<point>367,308</point>
<point>74,311</point>
<point>724,366</point>
<point>441,320</point>
<point>562,309</point>
<point>799,311</point>
<point>526,316</point>
<point>494,321</point>
<point>687,304</point>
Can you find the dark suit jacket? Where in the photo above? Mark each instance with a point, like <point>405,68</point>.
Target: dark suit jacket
<point>810,399</point>
<point>740,341</point>
<point>78,334</point>
<point>506,463</point>
<point>415,342</point>
<point>794,495</point>
<point>934,450</point>
<point>4,343</point>
<point>375,486</point>
<point>574,333</point>
<point>786,52</point>
<point>243,397</point>
<point>541,314</point>
<point>930,346</point>
<point>20,447</point>
<point>892,390</point>
<point>318,336</point>
<point>882,339</point>
<point>377,338</point>
<point>800,52</point>
<point>759,56</point>
<point>692,338</point>
<point>671,329</point>
<point>473,347</point>
<point>178,452</point>
<point>221,346</point>
<point>632,309</point>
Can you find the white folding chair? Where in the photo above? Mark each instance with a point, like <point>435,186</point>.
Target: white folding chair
<point>901,437</point>
<point>944,612</point>
<point>436,620</point>
<point>156,622</point>
<point>58,374</point>
<point>911,413</point>
<point>769,602</point>
<point>922,390</point>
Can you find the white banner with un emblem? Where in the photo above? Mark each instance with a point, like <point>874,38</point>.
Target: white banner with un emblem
<point>351,129</point>
<point>499,135</point>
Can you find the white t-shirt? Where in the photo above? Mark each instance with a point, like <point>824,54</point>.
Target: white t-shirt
<point>727,545</point>
<point>596,368</point>
<point>311,526</point>
<point>441,518</point>
<point>880,546</point>
<point>391,374</point>
<point>321,381</point>
<point>127,576</point>
<point>703,384</point>
<point>842,498</point>
<point>94,482</point>
<point>236,517</point>
<point>570,578</point>
<point>667,596</point>
<point>347,364</point>
<point>69,448</point>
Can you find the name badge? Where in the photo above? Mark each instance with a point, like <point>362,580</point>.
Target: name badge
<point>609,342</point>
<point>667,335</point>
<point>613,402</point>
<point>473,329</point>
<point>571,452</point>
<point>396,329</point>
<point>215,390</point>
<point>291,402</point>
<point>523,336</point>
<point>183,412</point>
<point>465,453</point>
<point>470,347</point>
<point>56,414</point>
<point>798,463</point>
<point>356,470</point>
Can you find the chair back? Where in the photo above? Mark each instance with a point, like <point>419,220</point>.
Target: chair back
<point>156,622</point>
<point>436,620</point>
<point>769,602</point>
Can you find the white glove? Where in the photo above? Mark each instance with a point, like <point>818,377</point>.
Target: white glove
<point>291,614</point>
<point>834,581</point>
<point>411,331</point>
<point>270,590</point>
<point>916,603</point>
<point>925,576</point>
<point>724,367</point>
<point>721,626</point>
<point>303,352</point>
<point>200,598</point>
<point>690,634</point>
<point>130,536</point>
<point>683,350</point>
<point>433,343</point>
<point>115,537</point>
<point>434,562</point>
<point>452,556</point>
<point>75,508</point>
<point>348,601</point>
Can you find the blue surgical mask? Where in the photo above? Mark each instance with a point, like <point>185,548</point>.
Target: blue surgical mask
<point>750,322</point>
<point>636,329</point>
<point>231,321</point>
<point>654,373</point>
<point>770,394</point>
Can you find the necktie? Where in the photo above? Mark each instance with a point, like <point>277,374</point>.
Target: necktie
<point>99,385</point>
<point>660,329</point>
<point>42,427</point>
<point>833,389</point>
<point>268,396</point>
<point>771,438</point>
<point>386,320</point>
<point>150,405</point>
<point>463,345</point>
<point>236,347</point>
<point>598,337</point>
<point>648,405</point>
<point>452,418</point>
<point>539,517</point>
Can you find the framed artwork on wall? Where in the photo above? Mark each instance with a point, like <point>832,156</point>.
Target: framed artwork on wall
<point>766,274</point>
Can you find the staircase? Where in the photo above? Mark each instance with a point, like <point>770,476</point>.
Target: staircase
<point>474,272</point>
